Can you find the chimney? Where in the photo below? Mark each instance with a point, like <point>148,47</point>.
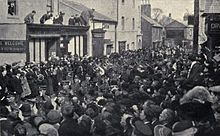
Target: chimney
<point>146,8</point>
<point>170,15</point>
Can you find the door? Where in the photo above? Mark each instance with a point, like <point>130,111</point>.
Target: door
<point>122,45</point>
<point>52,48</point>
<point>109,49</point>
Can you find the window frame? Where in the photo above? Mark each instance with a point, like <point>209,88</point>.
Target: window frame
<point>16,9</point>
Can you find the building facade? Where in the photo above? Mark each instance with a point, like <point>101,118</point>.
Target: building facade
<point>128,30</point>
<point>96,45</point>
<point>151,30</point>
<point>211,47</point>
<point>14,11</point>
<point>35,42</point>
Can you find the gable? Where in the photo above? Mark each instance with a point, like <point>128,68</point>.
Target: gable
<point>80,7</point>
<point>175,24</point>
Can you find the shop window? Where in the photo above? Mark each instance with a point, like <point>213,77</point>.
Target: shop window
<point>133,23</point>
<point>123,23</point>
<point>12,7</point>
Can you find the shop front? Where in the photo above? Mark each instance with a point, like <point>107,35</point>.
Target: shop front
<point>36,42</point>
<point>213,34</point>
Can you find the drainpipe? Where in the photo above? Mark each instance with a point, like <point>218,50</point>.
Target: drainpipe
<point>58,7</point>
<point>116,37</point>
<point>116,26</point>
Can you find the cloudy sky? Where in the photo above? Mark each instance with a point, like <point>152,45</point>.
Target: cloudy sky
<point>176,7</point>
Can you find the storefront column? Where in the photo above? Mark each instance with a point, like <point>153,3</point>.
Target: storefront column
<point>85,45</point>
<point>81,46</point>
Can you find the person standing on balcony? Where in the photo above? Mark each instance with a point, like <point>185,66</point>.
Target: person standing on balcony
<point>71,20</point>
<point>29,19</point>
<point>45,17</point>
<point>85,16</point>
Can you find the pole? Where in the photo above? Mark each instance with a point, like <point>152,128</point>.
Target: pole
<point>196,27</point>
<point>116,26</point>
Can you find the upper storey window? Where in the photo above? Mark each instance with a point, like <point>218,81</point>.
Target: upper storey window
<point>12,7</point>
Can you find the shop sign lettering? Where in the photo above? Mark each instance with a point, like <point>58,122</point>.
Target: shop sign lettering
<point>12,46</point>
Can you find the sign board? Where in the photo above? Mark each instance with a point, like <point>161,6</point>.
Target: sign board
<point>98,35</point>
<point>214,27</point>
<point>12,46</point>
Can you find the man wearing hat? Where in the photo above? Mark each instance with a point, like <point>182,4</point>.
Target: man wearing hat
<point>71,20</point>
<point>16,84</point>
<point>54,118</point>
<point>69,126</point>
<point>27,114</point>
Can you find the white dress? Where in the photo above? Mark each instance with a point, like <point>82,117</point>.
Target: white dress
<point>49,21</point>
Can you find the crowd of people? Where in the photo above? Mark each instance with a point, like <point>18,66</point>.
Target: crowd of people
<point>135,93</point>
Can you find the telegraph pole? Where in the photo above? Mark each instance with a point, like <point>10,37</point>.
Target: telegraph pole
<point>196,27</point>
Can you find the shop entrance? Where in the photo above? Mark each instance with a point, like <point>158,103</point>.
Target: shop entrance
<point>41,49</point>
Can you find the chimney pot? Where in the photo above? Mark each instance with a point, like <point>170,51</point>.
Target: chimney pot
<point>170,15</point>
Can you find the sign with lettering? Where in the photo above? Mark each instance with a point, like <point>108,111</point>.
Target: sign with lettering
<point>98,35</point>
<point>12,46</point>
<point>214,27</point>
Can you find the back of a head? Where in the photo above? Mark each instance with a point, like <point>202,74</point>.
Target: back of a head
<point>67,111</point>
<point>184,128</point>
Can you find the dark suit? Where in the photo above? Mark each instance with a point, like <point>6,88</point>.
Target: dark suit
<point>69,127</point>
<point>16,84</point>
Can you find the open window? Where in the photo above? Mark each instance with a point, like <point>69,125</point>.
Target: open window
<point>12,7</point>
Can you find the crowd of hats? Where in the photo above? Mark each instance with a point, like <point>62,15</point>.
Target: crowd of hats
<point>133,93</point>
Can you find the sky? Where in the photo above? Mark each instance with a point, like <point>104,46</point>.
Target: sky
<point>177,8</point>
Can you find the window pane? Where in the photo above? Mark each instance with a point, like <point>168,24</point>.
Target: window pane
<point>12,7</point>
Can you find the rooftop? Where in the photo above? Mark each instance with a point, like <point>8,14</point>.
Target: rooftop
<point>97,16</point>
<point>175,24</point>
<point>151,21</point>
